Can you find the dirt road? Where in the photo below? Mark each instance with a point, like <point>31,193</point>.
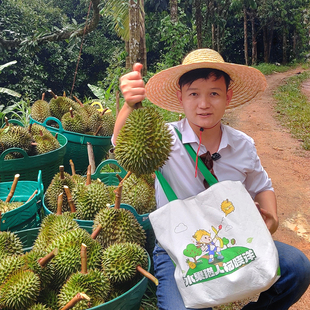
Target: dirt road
<point>287,164</point>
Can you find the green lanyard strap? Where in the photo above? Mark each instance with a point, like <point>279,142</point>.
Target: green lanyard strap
<point>202,167</point>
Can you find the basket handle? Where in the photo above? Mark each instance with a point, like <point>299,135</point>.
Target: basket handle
<point>97,173</point>
<point>51,118</point>
<point>14,121</point>
<point>40,184</point>
<point>11,150</point>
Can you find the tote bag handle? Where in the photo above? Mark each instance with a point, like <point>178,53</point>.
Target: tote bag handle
<point>202,167</point>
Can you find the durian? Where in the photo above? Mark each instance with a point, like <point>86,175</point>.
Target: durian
<point>40,110</point>
<point>38,307</point>
<point>59,105</point>
<point>120,261</point>
<point>117,226</point>
<point>9,206</point>
<point>74,121</point>
<point>10,244</point>
<point>144,142</point>
<point>105,121</point>
<point>45,143</point>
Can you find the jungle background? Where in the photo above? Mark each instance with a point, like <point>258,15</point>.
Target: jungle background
<point>81,47</point>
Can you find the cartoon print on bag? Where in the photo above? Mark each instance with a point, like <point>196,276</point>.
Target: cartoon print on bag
<point>211,254</point>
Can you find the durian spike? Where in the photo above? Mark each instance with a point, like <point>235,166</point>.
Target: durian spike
<point>59,204</point>
<point>70,199</point>
<point>78,101</point>
<point>88,175</point>
<point>6,121</point>
<point>71,112</point>
<point>34,193</point>
<point>13,187</point>
<point>91,157</point>
<point>84,258</point>
<point>78,297</point>
<point>96,232</point>
<point>98,129</point>
<point>47,258</point>
<point>147,274</point>
<point>43,96</point>
<point>52,93</point>
<point>72,167</point>
<point>61,172</point>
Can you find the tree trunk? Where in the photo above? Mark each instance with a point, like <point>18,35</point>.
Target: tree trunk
<point>198,17</point>
<point>134,31</point>
<point>254,41</point>
<point>142,44</point>
<point>174,11</point>
<point>265,40</point>
<point>245,30</point>
<point>213,37</point>
<point>284,59</point>
<point>294,43</point>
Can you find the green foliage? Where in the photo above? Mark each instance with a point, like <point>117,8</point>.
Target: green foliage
<point>268,69</point>
<point>293,108</point>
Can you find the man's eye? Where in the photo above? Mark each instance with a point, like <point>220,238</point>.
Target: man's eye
<point>214,94</point>
<point>193,94</point>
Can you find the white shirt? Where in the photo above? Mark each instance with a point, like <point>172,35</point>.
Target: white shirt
<point>239,162</point>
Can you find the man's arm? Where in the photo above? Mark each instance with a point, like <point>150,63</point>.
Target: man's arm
<point>133,90</point>
<point>267,205</point>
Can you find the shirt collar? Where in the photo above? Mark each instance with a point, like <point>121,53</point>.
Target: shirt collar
<point>188,135</point>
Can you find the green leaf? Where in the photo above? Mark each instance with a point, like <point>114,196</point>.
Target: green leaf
<point>9,92</point>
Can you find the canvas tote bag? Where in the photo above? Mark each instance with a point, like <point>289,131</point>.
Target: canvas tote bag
<point>218,241</point>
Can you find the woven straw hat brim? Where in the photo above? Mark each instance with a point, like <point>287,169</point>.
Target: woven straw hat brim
<point>247,83</point>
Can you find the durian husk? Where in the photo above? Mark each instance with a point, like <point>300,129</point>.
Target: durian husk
<point>40,110</point>
<point>10,244</point>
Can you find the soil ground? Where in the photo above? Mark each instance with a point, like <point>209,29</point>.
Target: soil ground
<point>287,164</point>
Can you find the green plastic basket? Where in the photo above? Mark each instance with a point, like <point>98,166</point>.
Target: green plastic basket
<point>130,300</point>
<point>29,166</point>
<point>27,215</point>
<point>77,146</point>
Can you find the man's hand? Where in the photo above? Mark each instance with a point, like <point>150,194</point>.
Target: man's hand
<point>132,86</point>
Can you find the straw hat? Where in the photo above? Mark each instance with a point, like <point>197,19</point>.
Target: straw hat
<point>246,82</point>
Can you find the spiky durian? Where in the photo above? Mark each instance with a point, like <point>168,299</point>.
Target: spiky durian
<point>9,265</point>
<point>40,110</point>
<point>52,226</point>
<point>20,290</point>
<point>9,206</point>
<point>61,105</point>
<point>36,129</point>
<point>38,307</point>
<point>90,199</point>
<point>68,261</point>
<point>16,136</point>
<point>45,143</point>
<point>120,261</point>
<point>144,142</point>
<point>10,244</point>
<point>55,188</point>
<point>48,297</point>
<point>118,225</point>
<point>106,121</point>
<point>139,194</point>
<point>74,121</point>
<point>95,284</point>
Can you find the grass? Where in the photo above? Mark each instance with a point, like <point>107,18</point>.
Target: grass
<point>293,107</point>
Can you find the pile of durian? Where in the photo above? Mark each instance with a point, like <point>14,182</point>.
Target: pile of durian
<point>34,140</point>
<point>86,197</point>
<point>67,268</point>
<point>74,115</point>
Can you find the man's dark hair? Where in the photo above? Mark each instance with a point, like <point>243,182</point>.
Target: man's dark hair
<point>203,73</point>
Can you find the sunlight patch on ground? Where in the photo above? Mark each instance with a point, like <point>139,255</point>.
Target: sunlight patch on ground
<point>299,225</point>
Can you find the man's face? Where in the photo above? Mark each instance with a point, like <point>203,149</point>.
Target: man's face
<point>204,101</point>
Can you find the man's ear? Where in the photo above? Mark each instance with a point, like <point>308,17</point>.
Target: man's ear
<point>229,95</point>
<point>179,95</point>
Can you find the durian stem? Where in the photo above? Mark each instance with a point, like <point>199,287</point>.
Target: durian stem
<point>43,96</point>
<point>96,232</point>
<point>29,128</point>
<point>98,129</point>
<point>84,258</point>
<point>78,101</point>
<point>91,157</point>
<point>6,121</point>
<point>52,93</point>
<point>72,167</point>
<point>56,135</point>
<point>13,187</point>
<point>138,105</point>
<point>34,193</point>
<point>61,172</point>
<point>70,199</point>
<point>78,297</point>
<point>47,258</point>
<point>147,274</point>
<point>103,111</point>
<point>71,112</point>
<point>118,196</point>
<point>180,117</point>
<point>59,204</point>
<point>88,175</point>
<point>118,177</point>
